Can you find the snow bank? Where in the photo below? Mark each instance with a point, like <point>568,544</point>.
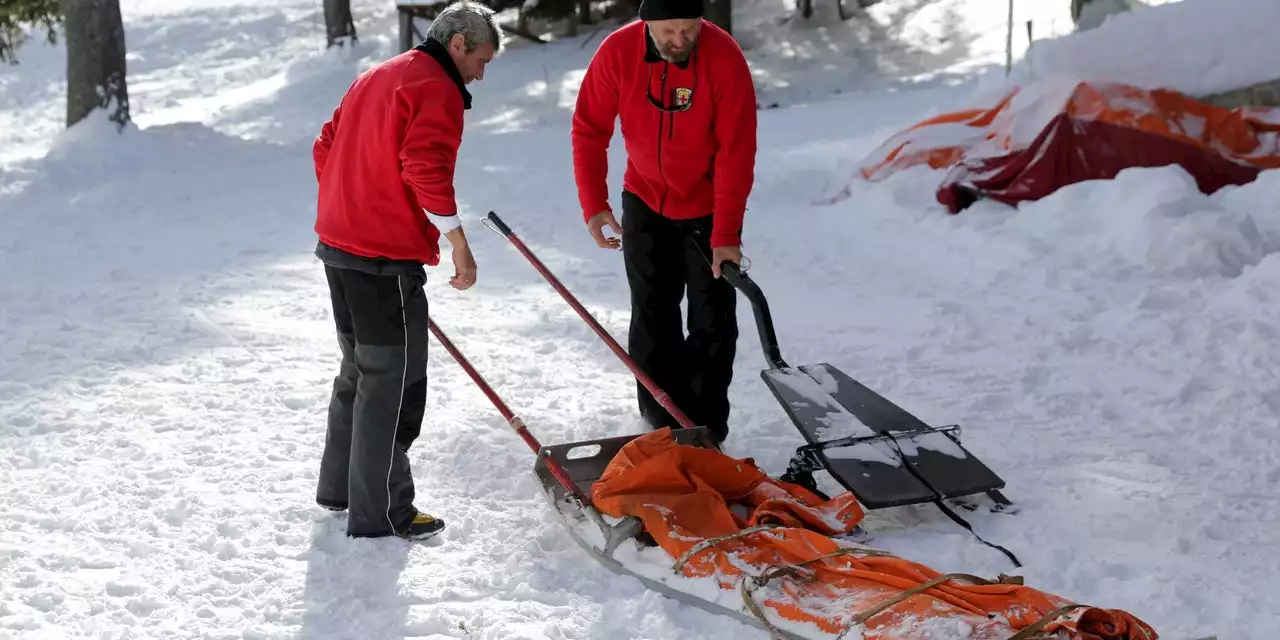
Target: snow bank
<point>1153,219</point>
<point>1261,198</point>
<point>1198,47</point>
<point>118,218</point>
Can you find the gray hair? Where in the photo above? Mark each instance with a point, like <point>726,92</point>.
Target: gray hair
<point>473,20</point>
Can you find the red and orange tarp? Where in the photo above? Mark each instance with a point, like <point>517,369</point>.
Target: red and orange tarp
<point>686,496</point>
<point>1039,138</point>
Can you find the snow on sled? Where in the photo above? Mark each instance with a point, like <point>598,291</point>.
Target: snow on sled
<point>671,510</point>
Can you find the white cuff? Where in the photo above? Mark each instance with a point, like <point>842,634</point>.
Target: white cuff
<point>444,223</point>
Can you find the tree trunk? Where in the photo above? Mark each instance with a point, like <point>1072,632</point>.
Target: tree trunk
<point>720,13</point>
<point>338,22</point>
<point>407,40</point>
<point>95,60</point>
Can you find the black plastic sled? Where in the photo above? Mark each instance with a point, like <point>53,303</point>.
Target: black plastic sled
<point>886,456</point>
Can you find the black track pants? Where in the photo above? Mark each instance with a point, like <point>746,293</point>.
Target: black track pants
<point>379,395</point>
<point>661,268</point>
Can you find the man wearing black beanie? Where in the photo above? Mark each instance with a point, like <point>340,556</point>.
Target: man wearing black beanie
<point>672,13</point>
<point>684,94</point>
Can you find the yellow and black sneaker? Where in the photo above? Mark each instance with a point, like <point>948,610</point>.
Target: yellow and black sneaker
<point>422,527</point>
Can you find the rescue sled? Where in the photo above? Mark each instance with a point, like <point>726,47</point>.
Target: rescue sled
<point>623,501</point>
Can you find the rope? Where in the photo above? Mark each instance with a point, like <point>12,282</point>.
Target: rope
<point>1034,628</point>
<point>751,583</point>
<point>865,615</point>
<point>711,542</point>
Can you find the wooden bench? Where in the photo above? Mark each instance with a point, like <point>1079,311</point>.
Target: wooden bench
<point>409,10</point>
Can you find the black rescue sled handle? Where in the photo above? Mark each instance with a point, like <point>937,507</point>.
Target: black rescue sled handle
<point>735,276</point>
<point>497,225</point>
<point>759,306</point>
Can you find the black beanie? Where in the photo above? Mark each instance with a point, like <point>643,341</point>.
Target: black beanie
<point>670,9</point>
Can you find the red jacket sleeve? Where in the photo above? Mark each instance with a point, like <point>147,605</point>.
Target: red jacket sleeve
<point>324,142</point>
<point>433,133</point>
<point>593,118</point>
<point>735,132</point>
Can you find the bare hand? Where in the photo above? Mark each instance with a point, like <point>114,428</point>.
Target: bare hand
<point>464,263</point>
<point>723,254</point>
<point>595,226</point>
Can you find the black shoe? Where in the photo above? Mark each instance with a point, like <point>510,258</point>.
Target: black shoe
<point>422,527</point>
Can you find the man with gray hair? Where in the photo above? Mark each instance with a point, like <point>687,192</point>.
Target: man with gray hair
<point>385,165</point>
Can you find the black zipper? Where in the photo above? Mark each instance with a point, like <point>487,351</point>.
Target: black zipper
<point>671,130</point>
<point>662,120</point>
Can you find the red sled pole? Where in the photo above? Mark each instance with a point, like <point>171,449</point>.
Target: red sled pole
<point>513,420</point>
<point>498,226</point>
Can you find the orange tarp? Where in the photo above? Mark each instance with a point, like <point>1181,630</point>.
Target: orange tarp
<point>683,495</point>
<point>1041,137</point>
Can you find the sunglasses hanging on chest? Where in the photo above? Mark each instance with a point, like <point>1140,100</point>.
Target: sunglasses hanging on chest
<point>674,99</point>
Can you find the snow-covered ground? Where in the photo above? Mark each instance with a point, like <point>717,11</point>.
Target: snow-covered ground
<point>1110,350</point>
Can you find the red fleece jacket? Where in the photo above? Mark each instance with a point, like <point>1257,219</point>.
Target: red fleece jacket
<point>684,164</point>
<point>388,154</point>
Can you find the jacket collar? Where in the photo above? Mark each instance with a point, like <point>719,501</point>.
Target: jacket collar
<point>441,55</point>
<point>651,51</point>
